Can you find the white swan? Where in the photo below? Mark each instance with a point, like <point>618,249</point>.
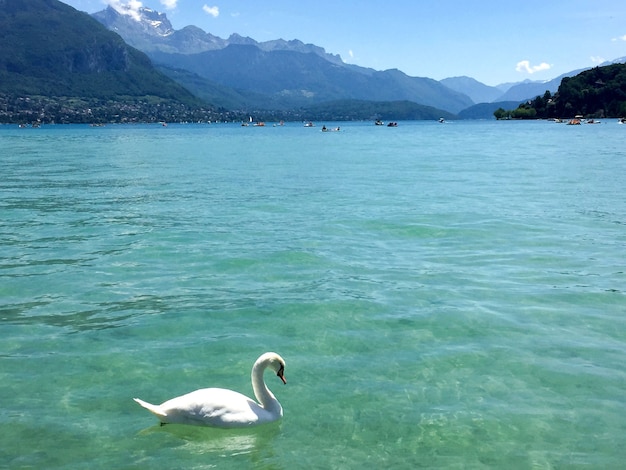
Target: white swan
<point>226,408</point>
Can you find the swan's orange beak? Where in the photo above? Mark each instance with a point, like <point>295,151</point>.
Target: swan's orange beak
<point>281,374</point>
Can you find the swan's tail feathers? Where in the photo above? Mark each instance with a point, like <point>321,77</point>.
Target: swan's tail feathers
<point>154,409</point>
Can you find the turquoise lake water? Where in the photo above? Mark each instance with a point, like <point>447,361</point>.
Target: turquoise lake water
<point>444,295</point>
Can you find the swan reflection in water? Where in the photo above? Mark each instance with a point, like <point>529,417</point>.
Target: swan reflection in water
<point>207,440</point>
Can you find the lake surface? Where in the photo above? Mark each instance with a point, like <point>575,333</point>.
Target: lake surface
<point>445,295</point>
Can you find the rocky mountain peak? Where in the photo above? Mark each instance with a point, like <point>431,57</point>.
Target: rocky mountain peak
<point>151,31</point>
<point>144,20</point>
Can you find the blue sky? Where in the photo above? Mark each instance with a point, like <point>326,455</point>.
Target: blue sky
<point>493,41</point>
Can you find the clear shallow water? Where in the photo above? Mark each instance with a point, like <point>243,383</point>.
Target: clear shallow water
<point>444,295</point>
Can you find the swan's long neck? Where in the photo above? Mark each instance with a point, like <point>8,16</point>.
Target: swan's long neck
<point>263,394</point>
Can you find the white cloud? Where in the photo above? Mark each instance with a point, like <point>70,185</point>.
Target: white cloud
<point>351,54</point>
<point>169,4</point>
<point>619,38</point>
<point>597,59</point>
<point>130,8</point>
<point>213,11</point>
<point>524,66</point>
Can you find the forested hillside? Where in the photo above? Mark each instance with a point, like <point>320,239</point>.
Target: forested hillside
<point>58,63</point>
<point>596,93</point>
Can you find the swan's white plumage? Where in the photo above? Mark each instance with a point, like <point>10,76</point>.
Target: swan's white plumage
<point>225,408</point>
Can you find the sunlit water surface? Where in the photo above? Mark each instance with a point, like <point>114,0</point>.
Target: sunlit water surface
<point>445,295</point>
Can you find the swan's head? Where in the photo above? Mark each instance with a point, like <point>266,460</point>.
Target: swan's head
<point>276,363</point>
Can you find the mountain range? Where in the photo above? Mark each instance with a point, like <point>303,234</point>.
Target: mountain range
<point>56,60</point>
<point>285,74</point>
<point>239,72</point>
